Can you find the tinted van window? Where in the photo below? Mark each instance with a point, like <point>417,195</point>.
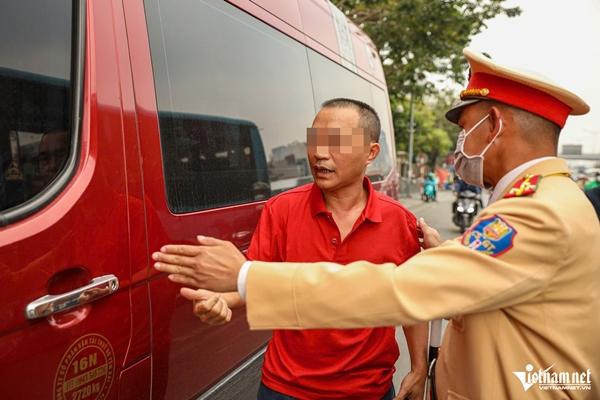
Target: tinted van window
<point>331,81</point>
<point>35,93</point>
<point>234,99</point>
<point>212,161</point>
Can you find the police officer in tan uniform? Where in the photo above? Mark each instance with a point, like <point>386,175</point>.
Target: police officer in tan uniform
<point>521,286</point>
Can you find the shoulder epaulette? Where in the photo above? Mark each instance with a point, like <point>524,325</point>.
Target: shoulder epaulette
<point>525,186</point>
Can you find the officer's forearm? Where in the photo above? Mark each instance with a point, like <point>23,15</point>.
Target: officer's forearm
<point>416,339</point>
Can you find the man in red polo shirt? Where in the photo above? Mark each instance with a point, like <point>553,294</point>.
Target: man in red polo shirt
<point>339,218</point>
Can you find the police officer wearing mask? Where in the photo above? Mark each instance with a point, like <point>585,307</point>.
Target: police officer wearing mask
<point>520,286</point>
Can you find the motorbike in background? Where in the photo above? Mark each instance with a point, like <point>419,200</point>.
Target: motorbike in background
<point>429,192</point>
<point>429,188</point>
<point>466,207</point>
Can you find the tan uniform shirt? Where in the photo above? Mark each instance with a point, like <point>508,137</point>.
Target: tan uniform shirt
<point>521,288</point>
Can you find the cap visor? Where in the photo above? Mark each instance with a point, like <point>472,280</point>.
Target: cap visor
<point>453,114</point>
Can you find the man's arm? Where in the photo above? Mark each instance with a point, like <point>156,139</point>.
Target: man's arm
<point>413,384</point>
<point>449,280</point>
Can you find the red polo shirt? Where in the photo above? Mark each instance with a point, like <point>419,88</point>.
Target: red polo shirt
<point>329,363</point>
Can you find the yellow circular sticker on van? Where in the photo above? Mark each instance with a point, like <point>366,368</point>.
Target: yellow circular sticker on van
<point>86,370</point>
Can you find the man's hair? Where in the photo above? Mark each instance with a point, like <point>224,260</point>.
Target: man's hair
<point>533,128</point>
<point>368,118</point>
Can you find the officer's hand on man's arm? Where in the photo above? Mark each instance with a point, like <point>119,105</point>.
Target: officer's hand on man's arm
<point>213,265</point>
<point>431,237</point>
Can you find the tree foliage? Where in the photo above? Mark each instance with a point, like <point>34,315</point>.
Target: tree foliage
<point>435,135</point>
<point>420,38</point>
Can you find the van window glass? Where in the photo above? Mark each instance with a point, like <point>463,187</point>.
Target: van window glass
<point>218,161</point>
<point>35,93</point>
<point>331,80</point>
<point>381,167</point>
<point>234,99</point>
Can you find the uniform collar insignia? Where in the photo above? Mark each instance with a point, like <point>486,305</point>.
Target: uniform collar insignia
<point>524,187</point>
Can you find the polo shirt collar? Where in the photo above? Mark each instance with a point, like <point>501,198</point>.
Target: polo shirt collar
<point>372,210</point>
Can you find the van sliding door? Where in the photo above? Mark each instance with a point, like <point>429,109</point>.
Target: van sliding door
<point>233,101</point>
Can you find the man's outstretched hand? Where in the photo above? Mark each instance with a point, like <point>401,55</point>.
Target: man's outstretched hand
<point>213,264</point>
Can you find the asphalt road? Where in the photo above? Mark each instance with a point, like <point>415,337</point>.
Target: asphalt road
<point>439,215</point>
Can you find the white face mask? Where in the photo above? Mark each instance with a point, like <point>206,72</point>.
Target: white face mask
<point>470,168</point>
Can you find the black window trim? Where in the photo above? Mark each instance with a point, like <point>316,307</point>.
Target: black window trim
<point>43,198</point>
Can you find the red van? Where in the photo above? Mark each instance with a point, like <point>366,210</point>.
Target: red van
<point>128,124</point>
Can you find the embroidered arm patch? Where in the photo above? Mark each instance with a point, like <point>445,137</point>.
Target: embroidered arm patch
<point>491,235</point>
<point>524,186</point>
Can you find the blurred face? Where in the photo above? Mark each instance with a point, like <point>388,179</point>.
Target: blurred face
<point>339,151</point>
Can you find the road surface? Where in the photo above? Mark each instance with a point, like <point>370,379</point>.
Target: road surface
<point>439,215</point>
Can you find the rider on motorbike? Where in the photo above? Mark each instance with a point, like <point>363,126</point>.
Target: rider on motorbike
<point>430,187</point>
<point>467,204</point>
<point>461,186</point>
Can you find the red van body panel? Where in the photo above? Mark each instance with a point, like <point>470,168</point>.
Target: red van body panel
<point>143,340</point>
<point>86,232</point>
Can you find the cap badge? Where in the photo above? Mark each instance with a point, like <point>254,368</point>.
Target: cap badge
<point>477,92</point>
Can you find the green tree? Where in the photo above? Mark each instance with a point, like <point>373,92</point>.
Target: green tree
<point>434,135</point>
<point>420,38</point>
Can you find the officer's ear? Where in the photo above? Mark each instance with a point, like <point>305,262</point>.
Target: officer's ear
<point>495,122</point>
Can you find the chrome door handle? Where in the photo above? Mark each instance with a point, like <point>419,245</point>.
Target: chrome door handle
<point>53,303</point>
